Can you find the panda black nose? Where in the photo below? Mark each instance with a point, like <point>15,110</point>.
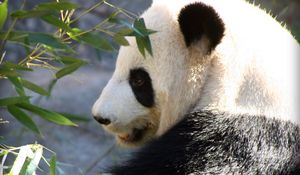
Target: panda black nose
<point>101,120</point>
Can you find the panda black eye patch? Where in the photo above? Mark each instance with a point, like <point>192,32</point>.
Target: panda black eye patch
<point>141,85</point>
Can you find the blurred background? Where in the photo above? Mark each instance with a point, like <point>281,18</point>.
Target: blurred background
<point>87,149</point>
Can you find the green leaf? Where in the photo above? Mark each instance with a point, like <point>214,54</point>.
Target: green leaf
<point>35,37</point>
<point>76,117</point>
<point>68,69</point>
<point>141,45</point>
<point>3,152</point>
<point>113,16</point>
<point>30,13</point>
<point>139,24</point>
<point>96,41</point>
<point>27,46</point>
<point>147,44</point>
<point>91,39</point>
<point>139,30</point>
<point>47,115</point>
<point>51,19</point>
<point>44,9</point>
<point>33,87</point>
<point>25,166</point>
<point>69,60</point>
<point>121,40</point>
<point>53,165</point>
<point>17,84</point>
<point>125,32</point>
<point>23,118</point>
<point>3,13</point>
<point>8,72</point>
<point>15,36</point>
<point>34,159</point>
<point>125,23</point>
<point>47,39</point>
<point>21,162</point>
<point>51,86</point>
<point>57,6</point>
<point>143,41</point>
<point>8,69</point>
<point>74,33</point>
<point>10,65</point>
<point>13,100</point>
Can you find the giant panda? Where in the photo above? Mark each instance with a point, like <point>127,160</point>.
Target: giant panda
<point>218,96</point>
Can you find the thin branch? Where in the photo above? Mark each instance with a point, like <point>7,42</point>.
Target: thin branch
<point>87,11</point>
<point>99,159</point>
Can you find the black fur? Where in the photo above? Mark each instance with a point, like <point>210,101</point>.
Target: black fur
<point>296,170</point>
<point>197,20</point>
<point>217,143</point>
<point>141,85</point>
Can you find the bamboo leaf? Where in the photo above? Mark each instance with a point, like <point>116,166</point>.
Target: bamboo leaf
<point>147,44</point>
<point>141,45</point>
<point>53,165</point>
<point>24,167</point>
<point>47,39</point>
<point>139,24</point>
<point>125,32</point>
<point>76,117</point>
<point>21,14</point>
<point>15,36</point>
<point>8,72</point>
<point>139,30</point>
<point>20,160</point>
<point>69,60</point>
<point>120,40</point>
<point>35,158</point>
<point>17,84</point>
<point>3,12</point>
<point>143,41</point>
<point>13,100</point>
<point>51,86</point>
<point>91,39</point>
<point>68,69</point>
<point>33,87</point>
<point>26,45</point>
<point>125,23</point>
<point>10,65</point>
<point>23,118</point>
<point>44,9</point>
<point>57,6</point>
<point>47,115</point>
<point>35,37</point>
<point>3,152</point>
<point>55,21</point>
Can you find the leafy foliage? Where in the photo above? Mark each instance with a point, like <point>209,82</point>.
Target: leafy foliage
<point>55,51</point>
<point>3,12</point>
<point>28,158</point>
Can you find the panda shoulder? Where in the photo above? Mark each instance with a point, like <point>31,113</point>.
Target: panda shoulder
<point>208,142</point>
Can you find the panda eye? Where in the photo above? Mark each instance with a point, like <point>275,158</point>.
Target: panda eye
<point>141,85</point>
<point>138,82</point>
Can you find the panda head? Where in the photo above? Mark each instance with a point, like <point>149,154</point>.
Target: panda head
<point>145,96</point>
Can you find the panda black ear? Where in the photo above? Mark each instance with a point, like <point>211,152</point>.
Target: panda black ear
<point>197,20</point>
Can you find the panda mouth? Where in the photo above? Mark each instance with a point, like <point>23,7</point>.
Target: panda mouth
<point>135,136</point>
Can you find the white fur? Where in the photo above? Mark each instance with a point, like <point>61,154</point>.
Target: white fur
<point>253,70</point>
